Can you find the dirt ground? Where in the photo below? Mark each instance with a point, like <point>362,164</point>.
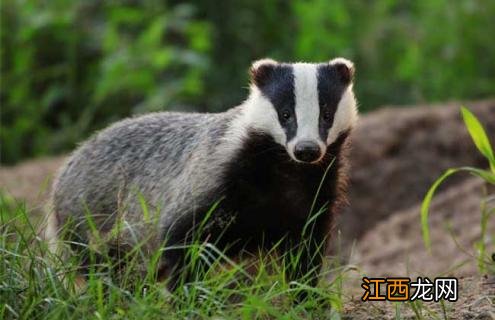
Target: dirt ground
<point>397,153</point>
<point>396,156</point>
<point>476,301</point>
<point>393,248</point>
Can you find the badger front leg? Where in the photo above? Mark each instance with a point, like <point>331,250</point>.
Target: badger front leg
<point>179,265</point>
<point>174,270</point>
<point>304,261</point>
<point>304,256</point>
<point>174,266</point>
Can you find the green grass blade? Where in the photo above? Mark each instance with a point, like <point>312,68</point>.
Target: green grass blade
<point>320,186</point>
<point>144,207</point>
<point>425,206</point>
<point>479,136</point>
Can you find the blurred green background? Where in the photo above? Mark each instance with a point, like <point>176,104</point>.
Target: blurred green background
<point>71,67</point>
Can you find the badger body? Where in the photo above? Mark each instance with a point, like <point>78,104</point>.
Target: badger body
<point>265,167</point>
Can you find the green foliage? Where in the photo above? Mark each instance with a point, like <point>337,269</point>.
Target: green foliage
<point>481,141</point>
<point>480,138</point>
<point>70,67</point>
<point>42,285</point>
<point>402,53</point>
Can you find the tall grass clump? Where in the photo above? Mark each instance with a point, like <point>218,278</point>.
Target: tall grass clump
<point>483,145</point>
<point>38,284</point>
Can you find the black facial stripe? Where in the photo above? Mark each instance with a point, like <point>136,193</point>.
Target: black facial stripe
<point>279,89</point>
<point>330,90</point>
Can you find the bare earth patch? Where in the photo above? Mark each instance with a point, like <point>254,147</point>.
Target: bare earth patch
<point>476,301</point>
<point>30,180</point>
<point>394,248</point>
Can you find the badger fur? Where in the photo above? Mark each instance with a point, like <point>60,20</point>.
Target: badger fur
<point>261,163</point>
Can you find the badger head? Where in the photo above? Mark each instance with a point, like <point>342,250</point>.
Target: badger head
<point>304,106</point>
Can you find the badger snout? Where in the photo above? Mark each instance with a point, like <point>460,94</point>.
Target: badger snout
<point>307,151</point>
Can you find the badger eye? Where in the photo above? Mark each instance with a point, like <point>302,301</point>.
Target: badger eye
<point>327,116</point>
<point>327,113</point>
<point>286,115</point>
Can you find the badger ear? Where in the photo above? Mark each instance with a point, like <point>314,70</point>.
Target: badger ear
<point>261,70</point>
<point>345,69</point>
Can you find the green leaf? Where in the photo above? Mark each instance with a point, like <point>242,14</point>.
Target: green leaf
<point>144,207</point>
<point>425,206</point>
<point>479,136</point>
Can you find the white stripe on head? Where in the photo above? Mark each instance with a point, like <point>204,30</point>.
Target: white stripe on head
<point>345,115</point>
<point>307,107</point>
<point>259,114</point>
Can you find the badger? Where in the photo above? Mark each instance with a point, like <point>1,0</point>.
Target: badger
<point>257,173</point>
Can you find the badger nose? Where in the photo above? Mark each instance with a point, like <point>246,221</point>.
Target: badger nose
<point>307,151</point>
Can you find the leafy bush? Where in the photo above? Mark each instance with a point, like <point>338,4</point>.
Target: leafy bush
<point>405,52</point>
<point>70,67</point>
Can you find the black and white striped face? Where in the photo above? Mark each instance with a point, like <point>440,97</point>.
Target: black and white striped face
<point>304,106</point>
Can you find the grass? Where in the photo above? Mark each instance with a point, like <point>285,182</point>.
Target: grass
<point>35,283</point>
<point>482,143</point>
